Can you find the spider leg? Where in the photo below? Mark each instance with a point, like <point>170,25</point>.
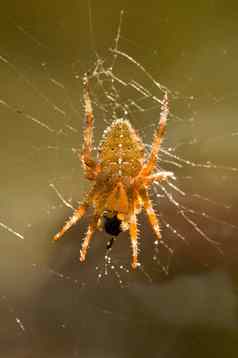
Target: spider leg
<point>89,164</point>
<point>153,219</point>
<point>158,136</point>
<point>91,229</point>
<point>134,243</point>
<point>77,215</point>
<point>160,176</point>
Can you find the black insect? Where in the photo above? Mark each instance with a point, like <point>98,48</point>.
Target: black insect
<point>112,225</point>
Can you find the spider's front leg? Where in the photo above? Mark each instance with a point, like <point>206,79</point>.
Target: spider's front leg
<point>91,167</point>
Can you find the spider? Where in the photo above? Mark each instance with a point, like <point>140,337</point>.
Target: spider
<point>122,175</point>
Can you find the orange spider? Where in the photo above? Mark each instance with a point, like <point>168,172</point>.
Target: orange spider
<point>122,177</point>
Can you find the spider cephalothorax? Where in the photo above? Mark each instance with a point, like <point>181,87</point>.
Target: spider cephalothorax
<point>122,177</point>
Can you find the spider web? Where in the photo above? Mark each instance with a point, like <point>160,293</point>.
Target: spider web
<point>44,136</point>
<point>134,94</point>
<point>115,97</point>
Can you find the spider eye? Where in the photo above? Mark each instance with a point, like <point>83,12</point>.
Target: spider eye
<point>112,225</point>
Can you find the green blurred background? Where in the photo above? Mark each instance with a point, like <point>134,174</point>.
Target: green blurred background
<point>190,47</point>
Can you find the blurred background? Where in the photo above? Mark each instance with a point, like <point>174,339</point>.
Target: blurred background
<point>182,304</point>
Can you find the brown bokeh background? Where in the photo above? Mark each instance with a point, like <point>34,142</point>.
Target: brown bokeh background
<point>191,48</point>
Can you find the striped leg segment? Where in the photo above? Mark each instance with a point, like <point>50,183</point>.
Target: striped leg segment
<point>159,177</point>
<point>89,164</point>
<point>88,130</point>
<point>73,220</point>
<point>91,229</point>
<point>153,219</point>
<point>158,136</point>
<point>134,243</point>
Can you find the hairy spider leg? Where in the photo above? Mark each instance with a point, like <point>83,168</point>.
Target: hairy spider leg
<point>153,219</point>
<point>89,164</point>
<point>77,215</point>
<point>133,230</point>
<point>91,229</point>
<point>158,136</point>
<point>160,176</point>
<point>134,243</point>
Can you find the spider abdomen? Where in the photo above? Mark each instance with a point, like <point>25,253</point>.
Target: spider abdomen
<point>121,151</point>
